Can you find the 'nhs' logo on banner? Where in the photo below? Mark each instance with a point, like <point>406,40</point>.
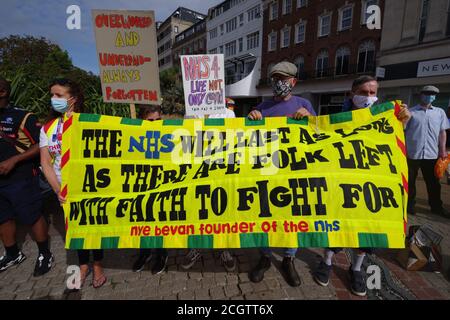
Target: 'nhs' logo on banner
<point>152,144</point>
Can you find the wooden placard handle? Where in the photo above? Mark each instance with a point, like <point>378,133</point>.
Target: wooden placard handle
<point>133,110</point>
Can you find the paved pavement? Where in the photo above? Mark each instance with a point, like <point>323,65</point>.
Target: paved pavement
<point>208,280</point>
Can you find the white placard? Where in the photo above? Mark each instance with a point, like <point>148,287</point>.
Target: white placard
<point>204,84</point>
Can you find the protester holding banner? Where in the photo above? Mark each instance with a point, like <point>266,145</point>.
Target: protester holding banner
<point>363,95</point>
<point>426,142</point>
<point>66,98</point>
<point>226,258</point>
<point>20,195</point>
<point>151,113</point>
<point>283,104</point>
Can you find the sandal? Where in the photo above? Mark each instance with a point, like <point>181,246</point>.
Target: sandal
<point>83,279</point>
<point>97,283</point>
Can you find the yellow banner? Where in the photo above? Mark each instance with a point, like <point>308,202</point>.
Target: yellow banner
<point>328,181</point>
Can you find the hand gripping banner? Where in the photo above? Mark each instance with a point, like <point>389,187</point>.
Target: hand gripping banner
<point>330,181</point>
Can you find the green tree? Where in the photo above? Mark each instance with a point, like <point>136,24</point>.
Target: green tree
<point>172,91</point>
<point>32,63</point>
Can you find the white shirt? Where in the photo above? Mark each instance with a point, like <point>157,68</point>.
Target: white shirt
<point>53,145</point>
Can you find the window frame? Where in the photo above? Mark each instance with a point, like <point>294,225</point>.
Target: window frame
<point>253,38</point>
<point>364,7</point>
<point>361,45</point>
<point>341,17</point>
<point>319,31</point>
<point>228,46</point>
<point>299,4</point>
<point>282,37</point>
<point>322,63</point>
<point>298,65</point>
<point>297,33</point>
<point>342,71</point>
<point>284,7</point>
<point>273,5</point>
<point>272,39</point>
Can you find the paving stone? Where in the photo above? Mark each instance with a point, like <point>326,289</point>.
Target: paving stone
<point>294,292</point>
<point>272,283</point>
<point>232,279</point>
<point>208,283</point>
<point>232,290</point>
<point>217,293</point>
<point>8,288</point>
<point>42,283</point>
<point>134,295</point>
<point>27,286</point>
<point>243,277</point>
<point>202,294</point>
<point>8,296</point>
<point>57,292</point>
<point>220,279</point>
<point>193,284</point>
<point>179,286</point>
<point>260,286</point>
<point>24,295</point>
<point>186,295</point>
<point>41,293</point>
<point>246,288</point>
<point>195,275</point>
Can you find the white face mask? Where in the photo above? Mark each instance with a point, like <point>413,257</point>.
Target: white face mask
<point>362,102</point>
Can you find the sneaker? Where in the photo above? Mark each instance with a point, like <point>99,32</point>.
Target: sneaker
<point>257,274</point>
<point>43,264</point>
<point>7,261</point>
<point>292,277</point>
<point>358,282</point>
<point>228,261</point>
<point>160,264</point>
<point>190,259</point>
<point>140,263</point>
<point>322,274</point>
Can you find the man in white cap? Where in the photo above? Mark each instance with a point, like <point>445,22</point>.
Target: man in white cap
<point>425,140</point>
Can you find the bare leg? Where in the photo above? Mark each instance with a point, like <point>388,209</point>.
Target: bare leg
<point>8,233</point>
<point>40,230</point>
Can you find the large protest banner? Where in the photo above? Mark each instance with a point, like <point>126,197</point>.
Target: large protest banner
<point>203,84</point>
<point>329,181</point>
<point>127,56</point>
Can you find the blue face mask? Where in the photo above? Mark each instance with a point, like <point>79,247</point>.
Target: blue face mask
<point>60,105</point>
<point>428,99</point>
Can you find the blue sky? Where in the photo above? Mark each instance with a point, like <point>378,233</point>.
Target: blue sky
<point>47,18</point>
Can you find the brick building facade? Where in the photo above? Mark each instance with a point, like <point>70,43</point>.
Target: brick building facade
<point>329,42</point>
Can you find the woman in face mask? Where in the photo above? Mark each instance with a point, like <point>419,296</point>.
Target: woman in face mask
<point>66,98</point>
